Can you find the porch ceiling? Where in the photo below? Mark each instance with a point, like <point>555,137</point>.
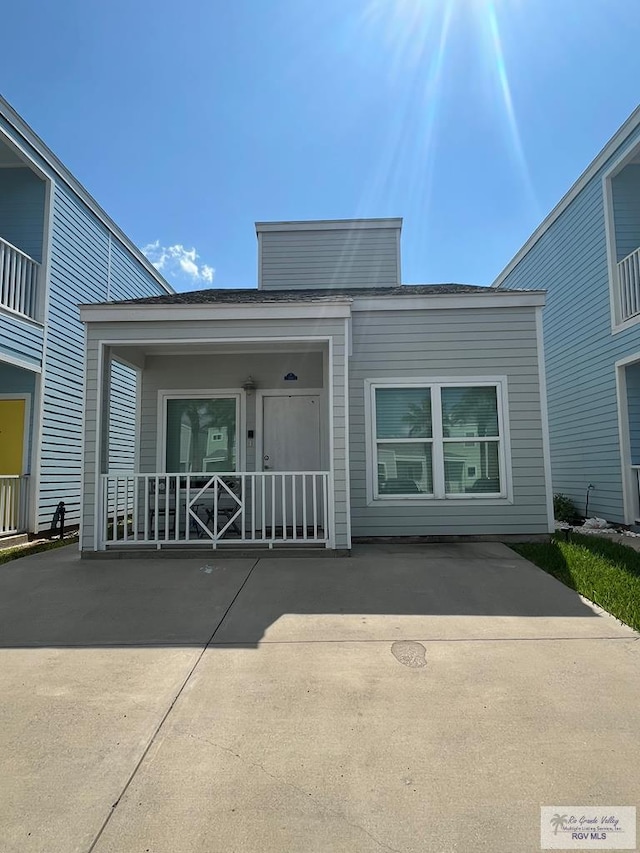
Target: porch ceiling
<point>8,156</point>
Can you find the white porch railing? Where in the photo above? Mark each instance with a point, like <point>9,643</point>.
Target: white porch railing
<point>14,500</point>
<point>18,280</point>
<point>629,285</point>
<point>252,507</point>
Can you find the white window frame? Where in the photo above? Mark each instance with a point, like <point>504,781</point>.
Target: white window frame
<point>219,393</point>
<point>435,384</point>
<point>617,323</point>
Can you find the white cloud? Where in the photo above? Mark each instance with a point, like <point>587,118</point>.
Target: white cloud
<point>178,262</point>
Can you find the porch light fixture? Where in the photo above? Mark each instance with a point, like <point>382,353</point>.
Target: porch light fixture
<point>249,384</point>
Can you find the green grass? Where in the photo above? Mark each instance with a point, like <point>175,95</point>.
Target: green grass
<point>18,551</point>
<point>605,572</point>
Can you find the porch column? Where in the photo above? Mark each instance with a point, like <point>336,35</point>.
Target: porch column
<point>337,372</point>
<point>96,437</point>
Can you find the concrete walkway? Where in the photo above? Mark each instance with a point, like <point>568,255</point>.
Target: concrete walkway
<point>418,698</point>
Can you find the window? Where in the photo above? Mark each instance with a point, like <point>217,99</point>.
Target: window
<point>420,443</point>
<point>201,434</point>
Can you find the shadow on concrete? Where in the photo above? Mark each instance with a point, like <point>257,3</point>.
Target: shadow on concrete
<point>55,599</point>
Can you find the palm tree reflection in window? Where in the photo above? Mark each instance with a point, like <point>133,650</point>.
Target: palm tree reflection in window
<point>201,435</point>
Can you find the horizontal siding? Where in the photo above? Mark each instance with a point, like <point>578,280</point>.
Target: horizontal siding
<point>128,279</point>
<point>20,339</point>
<point>216,372</point>
<point>626,210</point>
<point>22,199</point>
<point>451,344</point>
<point>122,418</point>
<point>570,262</point>
<point>332,258</point>
<point>82,271</point>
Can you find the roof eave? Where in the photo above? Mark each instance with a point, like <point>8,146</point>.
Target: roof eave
<point>31,137</point>
<point>619,137</point>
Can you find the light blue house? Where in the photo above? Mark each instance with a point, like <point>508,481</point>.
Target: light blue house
<point>586,255</point>
<point>58,248</point>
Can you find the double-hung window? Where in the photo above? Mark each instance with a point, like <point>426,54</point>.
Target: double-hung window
<point>437,439</point>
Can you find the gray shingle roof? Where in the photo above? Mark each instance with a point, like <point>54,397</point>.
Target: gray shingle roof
<point>245,295</point>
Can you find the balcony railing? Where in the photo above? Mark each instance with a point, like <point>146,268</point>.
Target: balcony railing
<point>14,500</point>
<point>244,508</point>
<point>629,285</point>
<point>18,280</point>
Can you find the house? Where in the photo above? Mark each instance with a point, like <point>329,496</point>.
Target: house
<point>58,248</point>
<point>586,255</point>
<point>329,403</point>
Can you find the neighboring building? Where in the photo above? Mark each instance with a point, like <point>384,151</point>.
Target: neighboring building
<point>586,255</point>
<point>57,248</point>
<point>331,402</point>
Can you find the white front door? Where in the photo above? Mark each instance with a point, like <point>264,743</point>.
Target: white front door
<point>291,433</point>
<point>291,441</point>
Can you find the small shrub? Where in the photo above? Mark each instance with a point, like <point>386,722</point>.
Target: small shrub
<point>563,508</point>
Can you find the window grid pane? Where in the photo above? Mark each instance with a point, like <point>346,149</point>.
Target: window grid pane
<point>470,411</point>
<point>403,413</point>
<point>405,469</point>
<point>472,469</point>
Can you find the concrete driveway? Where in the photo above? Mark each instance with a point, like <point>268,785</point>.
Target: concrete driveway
<point>412,699</point>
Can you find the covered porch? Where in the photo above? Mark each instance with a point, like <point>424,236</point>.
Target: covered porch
<point>232,444</point>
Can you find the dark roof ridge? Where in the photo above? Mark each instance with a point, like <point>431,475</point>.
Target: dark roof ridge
<point>254,295</point>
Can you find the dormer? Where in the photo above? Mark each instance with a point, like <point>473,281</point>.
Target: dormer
<point>328,254</point>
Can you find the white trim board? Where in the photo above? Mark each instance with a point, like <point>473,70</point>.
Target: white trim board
<point>18,362</point>
<point>329,224</point>
<point>136,342</point>
<point>485,298</point>
<point>348,350</point>
<point>464,499</point>
<point>617,325</point>
<point>631,508</point>
<point>216,311</point>
<point>592,169</point>
<point>544,415</point>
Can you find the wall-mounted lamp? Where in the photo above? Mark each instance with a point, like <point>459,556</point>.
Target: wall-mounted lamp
<point>249,384</point>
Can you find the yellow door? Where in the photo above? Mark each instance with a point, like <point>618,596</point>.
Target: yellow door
<point>11,436</point>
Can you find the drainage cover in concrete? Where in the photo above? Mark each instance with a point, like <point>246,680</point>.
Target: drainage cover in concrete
<point>409,654</point>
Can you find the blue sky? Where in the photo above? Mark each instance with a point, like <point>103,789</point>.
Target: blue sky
<point>189,121</point>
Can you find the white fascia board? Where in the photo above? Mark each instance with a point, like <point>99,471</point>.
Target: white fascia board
<point>31,138</point>
<point>592,169</point>
<point>5,358</point>
<point>506,299</point>
<point>255,311</point>
<point>329,224</point>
